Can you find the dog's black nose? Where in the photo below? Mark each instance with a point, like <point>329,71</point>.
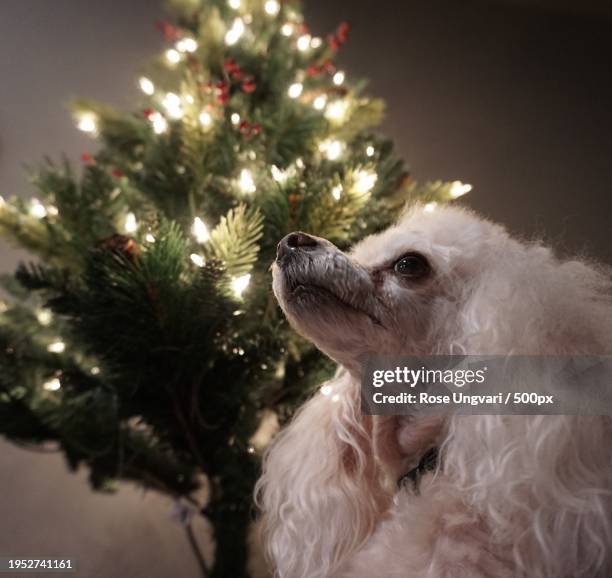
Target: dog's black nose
<point>295,242</point>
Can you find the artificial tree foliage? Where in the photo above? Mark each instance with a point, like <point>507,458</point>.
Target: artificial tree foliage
<point>143,340</point>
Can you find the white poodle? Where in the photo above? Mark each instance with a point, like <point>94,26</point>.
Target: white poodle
<point>512,496</point>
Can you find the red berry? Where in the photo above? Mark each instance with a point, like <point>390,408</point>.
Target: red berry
<point>342,32</point>
<point>249,86</point>
<point>167,29</point>
<point>230,65</point>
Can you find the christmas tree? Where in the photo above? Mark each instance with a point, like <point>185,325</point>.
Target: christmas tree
<point>144,340</point>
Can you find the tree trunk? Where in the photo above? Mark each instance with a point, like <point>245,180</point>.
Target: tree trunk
<point>231,524</point>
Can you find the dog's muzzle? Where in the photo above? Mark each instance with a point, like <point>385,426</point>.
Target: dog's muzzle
<point>315,268</point>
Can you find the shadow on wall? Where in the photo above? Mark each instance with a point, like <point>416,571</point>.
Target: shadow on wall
<point>601,7</point>
<point>512,97</point>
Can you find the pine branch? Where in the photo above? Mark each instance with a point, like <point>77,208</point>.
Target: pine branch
<point>235,240</point>
<point>364,114</point>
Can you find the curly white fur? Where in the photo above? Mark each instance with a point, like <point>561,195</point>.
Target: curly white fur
<point>517,496</point>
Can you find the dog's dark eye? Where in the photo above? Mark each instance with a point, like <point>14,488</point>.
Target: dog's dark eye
<point>412,266</point>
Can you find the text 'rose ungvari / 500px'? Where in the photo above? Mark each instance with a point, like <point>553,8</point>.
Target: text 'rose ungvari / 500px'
<point>486,385</point>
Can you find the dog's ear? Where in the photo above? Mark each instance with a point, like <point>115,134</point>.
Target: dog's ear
<point>331,475</point>
<point>529,302</point>
<point>322,491</point>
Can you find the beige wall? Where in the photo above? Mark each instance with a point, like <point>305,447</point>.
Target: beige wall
<point>46,511</point>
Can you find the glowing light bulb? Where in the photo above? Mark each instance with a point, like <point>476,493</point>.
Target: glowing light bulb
<point>337,192</point>
<point>235,32</point>
<point>287,29</point>
<point>205,119</point>
<point>130,225</point>
<point>189,98</point>
<point>278,175</point>
<point>336,110</point>
<point>200,230</point>
<point>303,42</point>
<point>246,182</point>
<point>172,104</point>
<point>95,370</point>
<point>235,4</point>
<point>56,347</point>
<point>281,176</point>
<point>235,118</point>
<point>295,89</point>
<point>320,102</point>
<point>338,78</point>
<point>52,385</point>
<point>239,284</point>
<point>316,42</point>
<point>370,151</point>
<point>430,207</point>
<point>44,317</point>
<point>146,85</point>
<point>186,45</point>
<point>87,122</point>
<point>364,181</point>
<point>197,260</point>
<point>37,209</point>
<point>272,7</point>
<point>173,56</point>
<point>458,189</point>
<point>160,124</point>
<point>332,149</point>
